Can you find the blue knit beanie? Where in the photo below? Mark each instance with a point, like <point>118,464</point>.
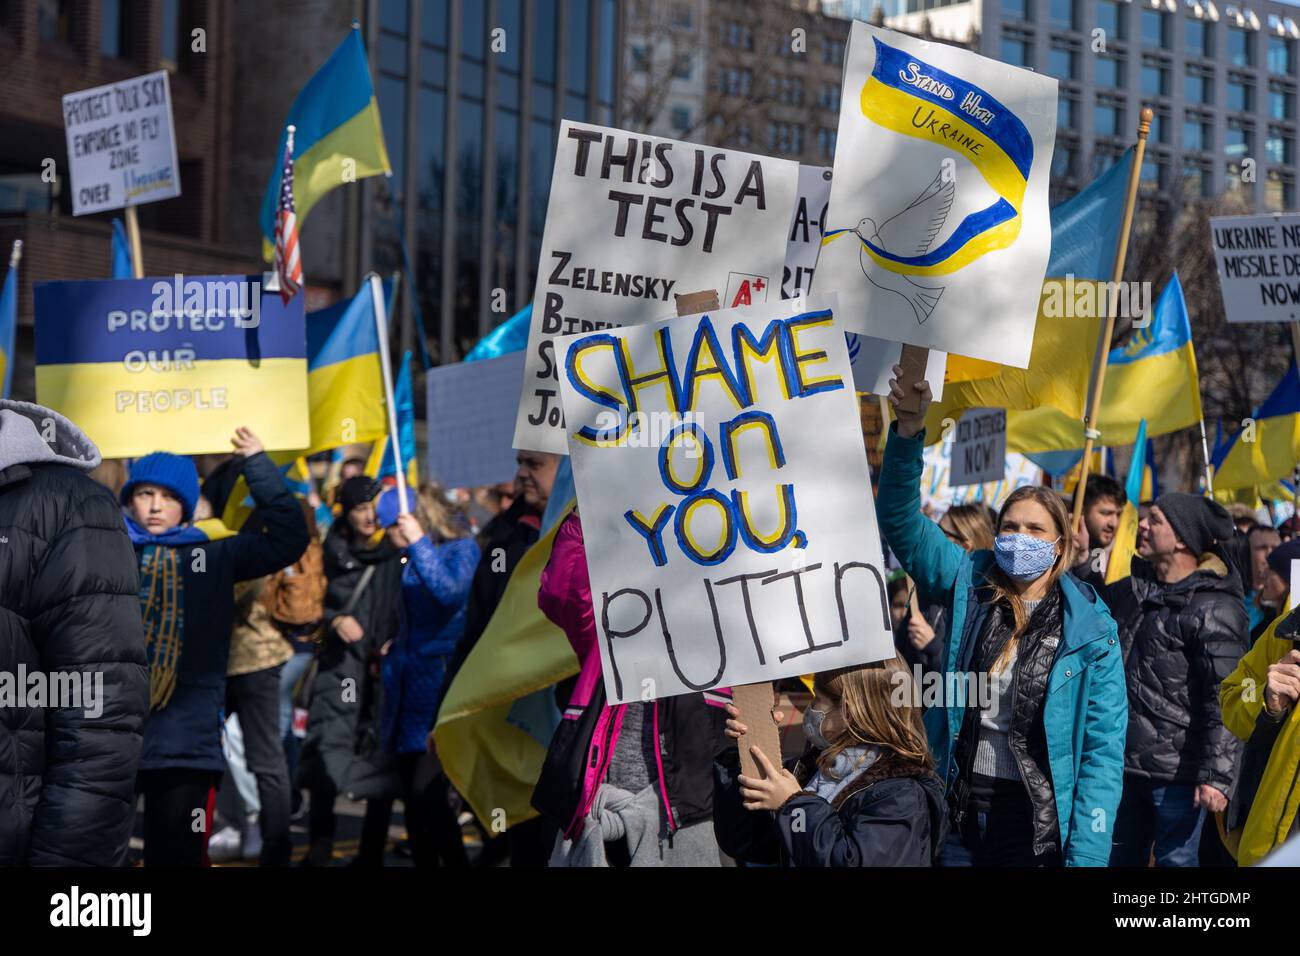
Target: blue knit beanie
<point>176,473</point>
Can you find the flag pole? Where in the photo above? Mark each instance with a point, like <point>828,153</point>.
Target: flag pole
<point>133,238</point>
<point>386,371</point>
<point>15,257</point>
<point>1205,451</point>
<point>1090,432</point>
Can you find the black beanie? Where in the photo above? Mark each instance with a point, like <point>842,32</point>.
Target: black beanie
<point>1198,522</point>
<point>1280,558</point>
<point>357,490</point>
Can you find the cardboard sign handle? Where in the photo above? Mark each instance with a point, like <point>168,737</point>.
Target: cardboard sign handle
<point>913,362</point>
<point>692,303</point>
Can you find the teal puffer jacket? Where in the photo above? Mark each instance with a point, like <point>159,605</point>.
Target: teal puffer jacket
<point>1085,714</point>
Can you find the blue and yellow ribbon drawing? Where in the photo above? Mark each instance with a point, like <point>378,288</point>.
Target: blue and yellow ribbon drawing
<point>913,98</point>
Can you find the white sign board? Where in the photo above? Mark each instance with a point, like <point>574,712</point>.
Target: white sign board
<point>979,447</point>
<point>939,232</point>
<point>472,420</point>
<point>121,144</point>
<point>806,225</point>
<point>874,360</point>
<point>728,523</point>
<point>632,221</point>
<point>1258,259</point>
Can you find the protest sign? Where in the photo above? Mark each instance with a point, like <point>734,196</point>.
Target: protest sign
<point>939,233</point>
<point>725,499</point>
<point>632,220</point>
<point>121,144</point>
<point>472,420</point>
<point>806,230</point>
<point>1258,260</point>
<point>979,447</point>
<point>937,492</point>
<point>873,360</point>
<point>174,364</point>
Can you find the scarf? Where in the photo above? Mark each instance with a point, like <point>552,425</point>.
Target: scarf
<point>850,763</point>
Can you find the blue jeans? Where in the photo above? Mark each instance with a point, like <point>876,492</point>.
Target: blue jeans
<point>1159,817</point>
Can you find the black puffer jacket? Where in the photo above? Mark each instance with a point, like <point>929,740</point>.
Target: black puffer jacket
<point>68,604</point>
<point>892,815</point>
<point>1180,640</point>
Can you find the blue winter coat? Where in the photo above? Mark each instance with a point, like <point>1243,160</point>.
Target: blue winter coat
<point>435,589</point>
<point>1085,712</point>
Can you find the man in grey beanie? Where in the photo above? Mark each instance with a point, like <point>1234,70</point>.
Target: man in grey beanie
<point>1183,625</point>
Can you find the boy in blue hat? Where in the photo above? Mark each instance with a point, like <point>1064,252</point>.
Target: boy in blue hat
<point>187,580</point>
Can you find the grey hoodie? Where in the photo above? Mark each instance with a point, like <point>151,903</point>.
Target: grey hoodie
<point>35,435</point>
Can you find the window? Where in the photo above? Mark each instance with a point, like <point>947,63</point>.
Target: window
<point>1062,63</point>
<point>682,67</point>
<point>1110,18</point>
<point>1237,143</point>
<point>1107,119</point>
<point>1200,86</point>
<point>681,118</point>
<point>640,59</point>
<point>1015,50</point>
<point>785,138</point>
<point>1196,181</point>
<point>1279,55</point>
<point>1281,103</point>
<point>1155,29</point>
<point>1279,147</point>
<point>1155,78</point>
<point>1279,192</point>
<point>114,31</point>
<point>826,143</point>
<point>1241,95</point>
<point>1110,71</point>
<point>1239,47</point>
<point>1159,126</point>
<point>1196,133</point>
<point>1232,177</point>
<point>1196,37</point>
<point>1065,113</point>
<point>1153,172</point>
<point>830,97</point>
<point>1061,13</point>
<point>1103,158</point>
<point>832,50</point>
<point>1015,9</point>
<point>54,20</point>
<point>682,15</point>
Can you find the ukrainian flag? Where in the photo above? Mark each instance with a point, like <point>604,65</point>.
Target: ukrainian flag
<point>9,318</point>
<point>510,336</point>
<point>122,267</point>
<point>338,137</point>
<point>1125,546</point>
<point>1085,233</point>
<point>1152,378</point>
<point>381,463</point>
<point>1273,454</point>
<point>344,379</point>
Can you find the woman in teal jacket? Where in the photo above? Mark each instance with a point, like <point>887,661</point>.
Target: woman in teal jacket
<point>1033,768</point>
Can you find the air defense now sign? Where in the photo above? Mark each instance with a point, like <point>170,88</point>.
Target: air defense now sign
<point>938,232</point>
<point>725,499</point>
<point>632,221</point>
<point>979,447</point>
<point>121,144</point>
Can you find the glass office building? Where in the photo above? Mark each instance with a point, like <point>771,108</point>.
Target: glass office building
<point>472,93</point>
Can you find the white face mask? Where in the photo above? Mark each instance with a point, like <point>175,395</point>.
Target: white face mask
<point>812,727</point>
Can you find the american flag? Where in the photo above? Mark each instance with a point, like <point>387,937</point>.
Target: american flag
<point>288,263</point>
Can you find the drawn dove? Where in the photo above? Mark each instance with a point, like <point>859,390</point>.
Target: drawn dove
<point>909,232</point>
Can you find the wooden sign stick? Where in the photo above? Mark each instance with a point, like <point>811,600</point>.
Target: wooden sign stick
<point>754,701</point>
<point>912,362</point>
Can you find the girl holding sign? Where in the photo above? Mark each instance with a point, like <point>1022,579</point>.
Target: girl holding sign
<point>865,794</point>
<point>1029,739</point>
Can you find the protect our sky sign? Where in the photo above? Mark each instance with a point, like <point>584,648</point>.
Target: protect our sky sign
<point>725,499</point>
<point>121,144</point>
<point>939,233</point>
<point>173,364</point>
<point>632,221</point>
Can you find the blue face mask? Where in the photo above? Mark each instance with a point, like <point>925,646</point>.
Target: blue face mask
<point>1024,557</point>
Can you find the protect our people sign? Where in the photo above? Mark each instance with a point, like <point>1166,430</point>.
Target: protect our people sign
<point>121,144</point>
<point>633,220</point>
<point>173,363</point>
<point>938,232</point>
<point>725,499</point>
<point>1258,260</point>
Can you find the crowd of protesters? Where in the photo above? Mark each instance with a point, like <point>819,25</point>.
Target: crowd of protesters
<point>253,676</point>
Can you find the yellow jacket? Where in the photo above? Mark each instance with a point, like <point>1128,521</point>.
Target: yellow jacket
<point>1241,697</point>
